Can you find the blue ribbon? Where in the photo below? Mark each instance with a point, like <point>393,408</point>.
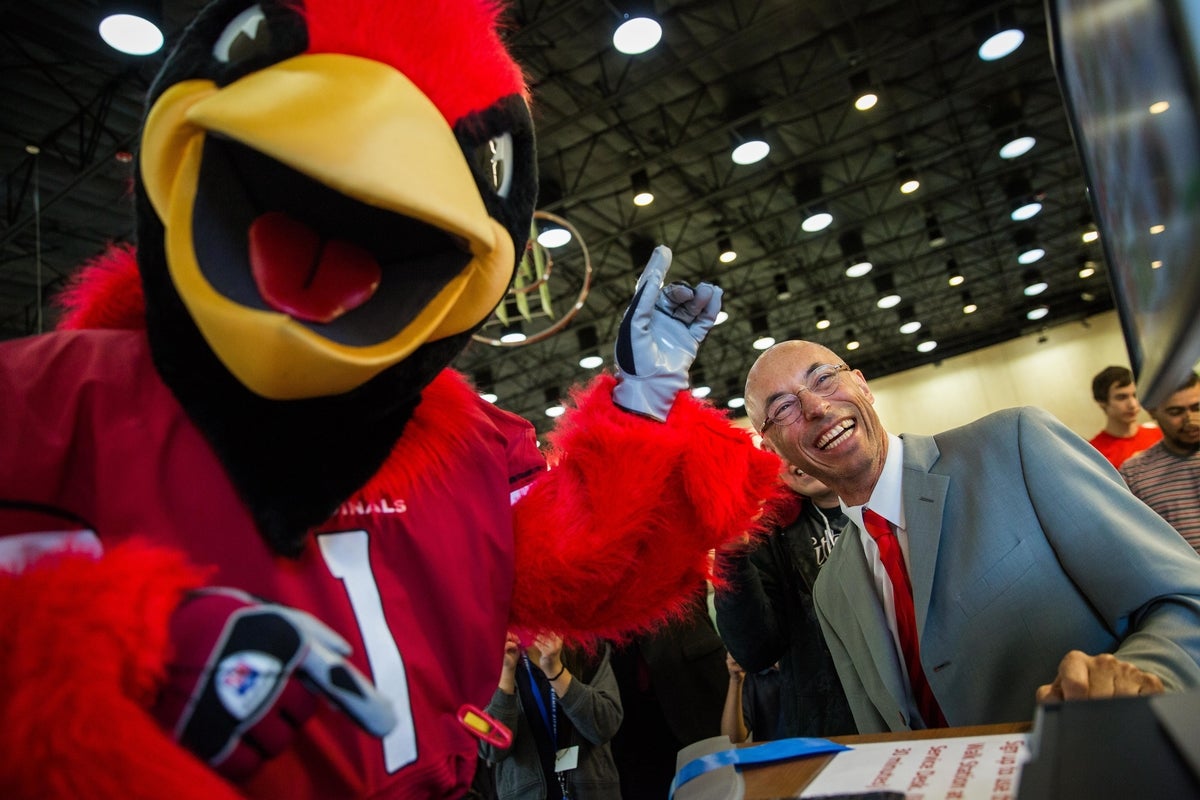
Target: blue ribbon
<point>779,750</point>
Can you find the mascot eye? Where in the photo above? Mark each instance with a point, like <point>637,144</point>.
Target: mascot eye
<point>494,161</point>
<point>243,37</point>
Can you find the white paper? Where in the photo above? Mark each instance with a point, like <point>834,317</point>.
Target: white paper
<point>964,768</point>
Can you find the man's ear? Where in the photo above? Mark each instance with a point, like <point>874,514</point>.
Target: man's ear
<point>861,380</point>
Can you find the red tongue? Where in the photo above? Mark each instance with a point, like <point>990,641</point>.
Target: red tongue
<point>306,277</point>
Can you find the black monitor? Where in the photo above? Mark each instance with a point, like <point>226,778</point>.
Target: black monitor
<point>1128,70</point>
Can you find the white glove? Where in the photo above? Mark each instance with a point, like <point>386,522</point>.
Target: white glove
<point>245,675</point>
<point>659,336</point>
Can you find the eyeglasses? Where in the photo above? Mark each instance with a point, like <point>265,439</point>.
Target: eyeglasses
<point>786,408</point>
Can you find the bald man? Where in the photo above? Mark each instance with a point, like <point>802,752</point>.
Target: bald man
<point>1034,575</point>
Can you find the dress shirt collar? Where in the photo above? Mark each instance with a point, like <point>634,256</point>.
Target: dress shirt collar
<point>887,499</point>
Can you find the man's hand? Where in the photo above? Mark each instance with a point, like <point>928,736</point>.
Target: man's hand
<point>659,336</point>
<point>245,675</point>
<point>736,673</point>
<point>1084,677</point>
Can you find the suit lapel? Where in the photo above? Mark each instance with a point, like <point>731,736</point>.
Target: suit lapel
<point>855,597</point>
<point>924,502</point>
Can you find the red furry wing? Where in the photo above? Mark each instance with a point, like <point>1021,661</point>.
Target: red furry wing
<point>615,539</point>
<point>85,643</point>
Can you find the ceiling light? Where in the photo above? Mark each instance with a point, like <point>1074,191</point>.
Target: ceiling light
<point>512,332</point>
<point>855,253</point>
<point>782,291</point>
<point>726,253</point>
<point>954,275</point>
<point>1028,250</point>
<point>816,219</point>
<point>865,97</point>
<point>908,321</point>
<point>589,353</point>
<point>553,235</point>
<point>885,291</point>
<point>1016,145</point>
<point>701,392</point>
<point>1023,202</point>
<point>131,27</point>
<point>1031,254</point>
<point>485,384</point>
<point>642,196</point>
<point>816,216</point>
<point>1000,35</point>
<point>733,391</point>
<point>822,318</point>
<point>1024,208</point>
<point>909,182</point>
<point>1157,229</point>
<point>969,306</point>
<point>1159,107</point>
<point>1037,312</point>
<point>554,407</point>
<point>1090,234</point>
<point>636,33</point>
<point>749,144</point>
<point>722,315</point>
<point>852,342</point>
<point>928,344</point>
<point>934,230</point>
<point>1087,266</point>
<point>762,331</point>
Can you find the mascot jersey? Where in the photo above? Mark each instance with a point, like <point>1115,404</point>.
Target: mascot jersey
<point>416,577</point>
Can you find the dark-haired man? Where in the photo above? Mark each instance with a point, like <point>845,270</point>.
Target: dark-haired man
<point>1167,476</point>
<point>1123,436</point>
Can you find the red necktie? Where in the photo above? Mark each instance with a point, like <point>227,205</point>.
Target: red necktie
<point>906,619</point>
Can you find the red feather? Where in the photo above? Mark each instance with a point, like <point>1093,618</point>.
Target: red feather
<point>452,51</point>
<point>106,292</point>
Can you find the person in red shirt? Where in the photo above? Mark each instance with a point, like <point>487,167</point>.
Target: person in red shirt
<point>1123,436</point>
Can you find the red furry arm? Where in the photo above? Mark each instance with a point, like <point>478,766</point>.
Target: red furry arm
<point>616,537</point>
<point>83,643</point>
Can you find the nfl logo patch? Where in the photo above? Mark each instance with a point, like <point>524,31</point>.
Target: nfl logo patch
<point>246,680</point>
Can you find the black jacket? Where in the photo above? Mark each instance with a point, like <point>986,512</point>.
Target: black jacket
<point>766,615</point>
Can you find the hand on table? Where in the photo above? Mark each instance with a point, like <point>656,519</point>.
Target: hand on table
<point>1084,677</point>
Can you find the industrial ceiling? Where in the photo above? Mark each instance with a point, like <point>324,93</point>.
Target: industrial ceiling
<point>71,110</point>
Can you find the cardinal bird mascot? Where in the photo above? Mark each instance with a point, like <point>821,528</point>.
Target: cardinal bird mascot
<point>256,539</point>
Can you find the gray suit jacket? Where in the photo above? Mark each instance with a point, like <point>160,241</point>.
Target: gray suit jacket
<point>1024,543</point>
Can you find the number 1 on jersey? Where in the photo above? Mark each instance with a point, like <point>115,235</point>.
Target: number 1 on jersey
<point>347,557</point>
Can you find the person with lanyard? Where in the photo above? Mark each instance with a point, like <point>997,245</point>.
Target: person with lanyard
<point>561,718</point>
<point>989,567</point>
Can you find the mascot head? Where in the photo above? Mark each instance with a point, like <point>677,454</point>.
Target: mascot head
<point>333,195</point>
<point>328,187</point>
